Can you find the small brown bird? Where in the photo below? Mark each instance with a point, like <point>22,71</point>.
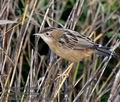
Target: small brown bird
<point>71,45</point>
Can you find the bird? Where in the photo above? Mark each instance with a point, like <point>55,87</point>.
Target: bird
<point>70,44</point>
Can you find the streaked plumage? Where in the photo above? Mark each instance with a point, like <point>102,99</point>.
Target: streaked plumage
<point>70,44</point>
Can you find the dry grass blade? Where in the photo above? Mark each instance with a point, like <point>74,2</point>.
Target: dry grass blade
<point>64,77</point>
<point>30,71</point>
<point>7,22</point>
<point>74,15</point>
<point>115,88</point>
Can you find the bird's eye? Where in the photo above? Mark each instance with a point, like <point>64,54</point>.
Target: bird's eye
<point>47,34</point>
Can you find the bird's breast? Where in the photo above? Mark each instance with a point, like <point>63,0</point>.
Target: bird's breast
<point>70,54</point>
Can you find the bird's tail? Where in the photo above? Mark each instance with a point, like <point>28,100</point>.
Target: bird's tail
<point>104,51</point>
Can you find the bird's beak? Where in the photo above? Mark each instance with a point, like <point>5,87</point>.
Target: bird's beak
<point>37,34</point>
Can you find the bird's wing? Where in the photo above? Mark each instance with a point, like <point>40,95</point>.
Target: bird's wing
<point>73,40</point>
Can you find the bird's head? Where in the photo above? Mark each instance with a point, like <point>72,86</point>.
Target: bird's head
<point>50,34</point>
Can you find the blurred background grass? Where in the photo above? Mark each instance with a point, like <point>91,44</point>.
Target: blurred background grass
<point>31,72</point>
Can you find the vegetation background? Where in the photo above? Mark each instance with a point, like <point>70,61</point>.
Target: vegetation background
<point>29,71</point>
